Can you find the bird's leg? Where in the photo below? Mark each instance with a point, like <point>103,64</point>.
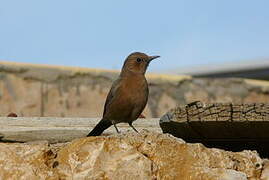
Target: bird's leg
<point>130,124</point>
<point>116,128</point>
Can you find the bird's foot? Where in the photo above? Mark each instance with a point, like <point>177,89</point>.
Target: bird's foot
<point>116,129</point>
<point>133,128</point>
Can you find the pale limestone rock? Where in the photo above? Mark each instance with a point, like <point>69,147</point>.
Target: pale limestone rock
<point>265,172</point>
<point>24,162</point>
<point>232,175</point>
<point>101,158</point>
<point>128,156</point>
<point>152,156</point>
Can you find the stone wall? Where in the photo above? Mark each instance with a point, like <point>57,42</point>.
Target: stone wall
<point>40,90</point>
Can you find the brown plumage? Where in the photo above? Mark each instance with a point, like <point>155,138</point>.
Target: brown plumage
<point>12,115</point>
<point>128,95</point>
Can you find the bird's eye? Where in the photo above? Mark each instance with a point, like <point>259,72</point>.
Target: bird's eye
<point>138,60</point>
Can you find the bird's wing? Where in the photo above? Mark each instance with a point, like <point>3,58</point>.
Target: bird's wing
<point>111,95</point>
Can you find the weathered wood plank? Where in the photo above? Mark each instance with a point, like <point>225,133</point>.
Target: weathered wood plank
<point>218,121</point>
<point>223,125</point>
<point>52,129</point>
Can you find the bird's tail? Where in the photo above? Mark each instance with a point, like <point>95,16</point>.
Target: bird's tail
<point>100,127</point>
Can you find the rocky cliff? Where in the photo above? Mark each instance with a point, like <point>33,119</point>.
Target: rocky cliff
<point>40,90</point>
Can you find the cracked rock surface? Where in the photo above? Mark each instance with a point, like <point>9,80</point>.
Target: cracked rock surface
<point>147,155</point>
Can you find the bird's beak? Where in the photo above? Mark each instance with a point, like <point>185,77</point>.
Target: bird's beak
<point>153,57</point>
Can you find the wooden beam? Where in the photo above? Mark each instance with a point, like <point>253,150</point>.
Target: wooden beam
<point>54,129</point>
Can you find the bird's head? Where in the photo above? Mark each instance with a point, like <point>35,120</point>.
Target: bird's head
<point>137,62</point>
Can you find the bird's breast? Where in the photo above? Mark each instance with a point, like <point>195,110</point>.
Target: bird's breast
<point>131,100</point>
<point>137,90</point>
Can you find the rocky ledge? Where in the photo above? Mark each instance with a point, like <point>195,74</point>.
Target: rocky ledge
<point>147,155</point>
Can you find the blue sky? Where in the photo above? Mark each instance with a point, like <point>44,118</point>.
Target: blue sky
<point>100,34</point>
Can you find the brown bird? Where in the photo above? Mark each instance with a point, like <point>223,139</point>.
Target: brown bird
<point>128,95</point>
<point>12,115</point>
